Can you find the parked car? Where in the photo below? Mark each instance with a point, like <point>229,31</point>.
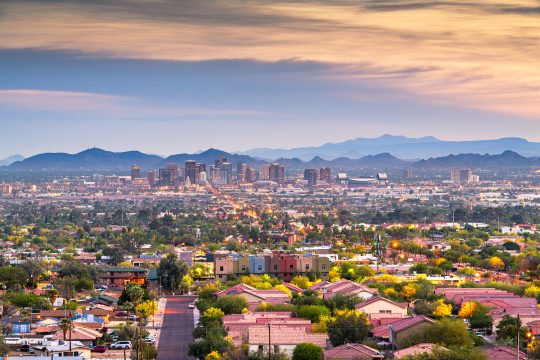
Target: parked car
<point>25,348</point>
<point>99,349</point>
<point>121,314</point>
<point>133,317</point>
<point>191,305</point>
<point>121,345</point>
<point>149,340</point>
<point>102,288</point>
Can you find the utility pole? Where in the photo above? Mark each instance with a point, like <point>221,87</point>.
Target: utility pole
<point>269,326</point>
<point>518,328</point>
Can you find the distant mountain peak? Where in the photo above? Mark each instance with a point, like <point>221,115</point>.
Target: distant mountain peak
<point>402,147</point>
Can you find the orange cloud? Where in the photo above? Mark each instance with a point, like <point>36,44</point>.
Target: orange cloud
<point>480,54</point>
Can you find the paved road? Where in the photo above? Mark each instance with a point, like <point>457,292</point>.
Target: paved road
<point>176,332</point>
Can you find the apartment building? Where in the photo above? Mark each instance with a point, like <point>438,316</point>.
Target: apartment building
<point>284,266</point>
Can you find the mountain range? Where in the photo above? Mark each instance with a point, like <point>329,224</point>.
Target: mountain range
<point>401,147</point>
<point>121,162</point>
<point>11,159</point>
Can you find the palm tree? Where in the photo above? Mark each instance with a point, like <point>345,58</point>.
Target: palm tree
<point>65,325</point>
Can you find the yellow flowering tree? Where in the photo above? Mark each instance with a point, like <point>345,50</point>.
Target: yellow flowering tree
<point>442,309</point>
<point>468,308</point>
<point>408,291</point>
<point>284,289</point>
<point>496,262</point>
<point>214,355</point>
<point>146,308</point>
<point>532,291</point>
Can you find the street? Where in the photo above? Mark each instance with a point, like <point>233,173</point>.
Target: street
<point>176,332</point>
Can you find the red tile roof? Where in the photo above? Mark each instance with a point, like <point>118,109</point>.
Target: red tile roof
<point>504,353</point>
<point>406,323</point>
<point>379,298</point>
<point>284,335</point>
<point>352,351</point>
<point>418,349</point>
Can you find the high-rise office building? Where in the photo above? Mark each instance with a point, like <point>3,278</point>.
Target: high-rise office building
<point>152,178</point>
<point>201,167</point>
<point>265,172</point>
<point>221,172</point>
<point>455,175</point>
<point>166,177</point>
<point>175,169</point>
<point>241,169</point>
<point>466,176</point>
<point>277,173</point>
<point>135,172</point>
<point>192,170</point>
<point>311,175</point>
<point>325,174</point>
<point>462,176</point>
<point>249,176</point>
<point>407,173</point>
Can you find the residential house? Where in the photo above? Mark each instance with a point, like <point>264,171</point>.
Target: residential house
<point>378,307</point>
<point>418,349</point>
<point>352,351</point>
<point>81,334</point>
<point>62,349</point>
<point>401,330</point>
<point>281,338</point>
<point>123,276</point>
<point>255,297</point>
<point>328,290</point>
<point>504,353</point>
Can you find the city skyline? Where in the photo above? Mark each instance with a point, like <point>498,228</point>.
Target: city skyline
<point>185,76</point>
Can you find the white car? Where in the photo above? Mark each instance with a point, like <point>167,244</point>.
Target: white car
<point>102,288</point>
<point>191,305</point>
<point>149,340</point>
<point>121,345</point>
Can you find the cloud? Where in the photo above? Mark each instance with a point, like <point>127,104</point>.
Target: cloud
<point>476,54</point>
<point>65,102</point>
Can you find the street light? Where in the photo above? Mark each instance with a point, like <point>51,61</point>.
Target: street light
<point>160,285</point>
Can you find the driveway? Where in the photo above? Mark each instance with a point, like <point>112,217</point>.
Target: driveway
<point>177,328</point>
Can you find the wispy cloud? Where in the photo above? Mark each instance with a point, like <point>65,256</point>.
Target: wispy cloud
<point>481,54</point>
<point>135,108</point>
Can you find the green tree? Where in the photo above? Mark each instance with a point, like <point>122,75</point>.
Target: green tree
<point>171,271</point>
<point>231,304</point>
<point>364,272</point>
<point>480,320</point>
<point>204,346</point>
<point>13,278</point>
<point>313,312</point>
<point>307,351</point>
<point>132,293</point>
<point>347,326</point>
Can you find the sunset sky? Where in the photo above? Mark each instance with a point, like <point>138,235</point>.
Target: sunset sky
<point>166,76</point>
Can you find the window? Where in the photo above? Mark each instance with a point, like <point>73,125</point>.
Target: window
<point>259,267</point>
<point>243,267</point>
<point>221,268</point>
<point>307,266</point>
<point>291,266</point>
<point>385,311</point>
<point>324,266</point>
<point>275,267</point>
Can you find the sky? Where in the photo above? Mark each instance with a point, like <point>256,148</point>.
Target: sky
<point>169,76</point>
